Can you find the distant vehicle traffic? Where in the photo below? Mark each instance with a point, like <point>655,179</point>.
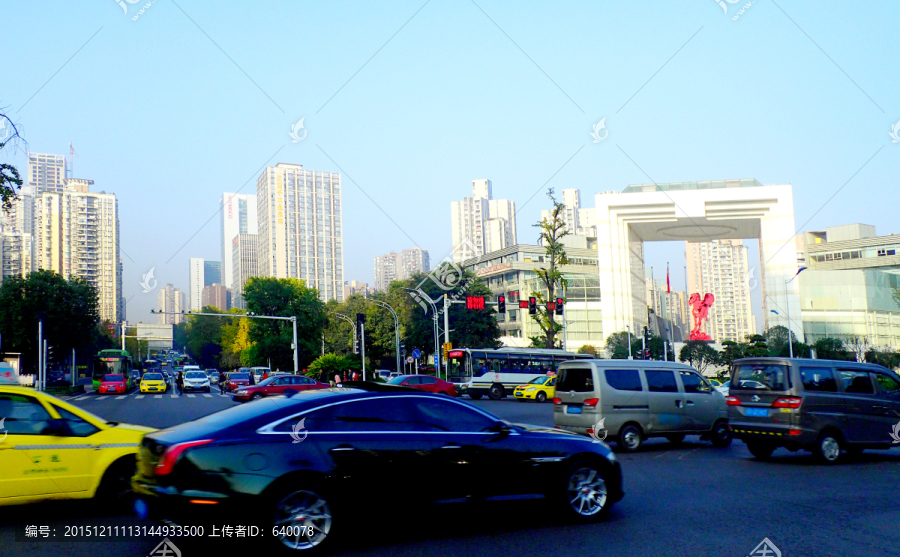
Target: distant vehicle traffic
<point>116,362</point>
<point>277,385</point>
<point>425,383</point>
<point>115,384</point>
<point>235,380</point>
<point>213,375</point>
<point>259,372</point>
<point>195,380</point>
<point>153,382</point>
<point>539,389</point>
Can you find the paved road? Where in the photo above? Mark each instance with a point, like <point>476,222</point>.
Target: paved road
<point>690,499</point>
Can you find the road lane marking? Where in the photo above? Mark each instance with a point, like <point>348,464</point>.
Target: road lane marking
<point>174,396</point>
<point>82,398</point>
<point>207,396</point>
<point>157,396</point>
<point>192,396</point>
<point>120,397</point>
<point>139,396</point>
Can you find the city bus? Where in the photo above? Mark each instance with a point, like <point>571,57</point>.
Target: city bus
<point>116,362</point>
<point>496,373</point>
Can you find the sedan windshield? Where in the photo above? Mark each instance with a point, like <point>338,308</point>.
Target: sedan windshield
<point>539,380</point>
<point>397,380</point>
<point>195,375</point>
<point>239,377</point>
<point>113,378</point>
<point>152,377</point>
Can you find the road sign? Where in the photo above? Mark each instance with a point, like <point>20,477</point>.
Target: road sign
<point>410,359</point>
<point>417,354</point>
<point>436,360</point>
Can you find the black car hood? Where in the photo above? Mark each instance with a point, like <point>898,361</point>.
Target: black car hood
<point>544,429</point>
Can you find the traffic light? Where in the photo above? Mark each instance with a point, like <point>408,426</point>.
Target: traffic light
<point>474,302</point>
<point>647,335</point>
<point>523,304</point>
<point>402,350</point>
<point>501,304</point>
<point>532,305</point>
<point>559,306</point>
<point>647,353</point>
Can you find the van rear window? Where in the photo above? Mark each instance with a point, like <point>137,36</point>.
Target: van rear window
<point>623,379</point>
<point>577,379</point>
<point>759,377</point>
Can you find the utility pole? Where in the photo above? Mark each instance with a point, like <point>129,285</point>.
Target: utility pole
<point>446,333</point>
<point>296,361</point>
<point>123,335</point>
<point>629,342</point>
<point>362,346</point>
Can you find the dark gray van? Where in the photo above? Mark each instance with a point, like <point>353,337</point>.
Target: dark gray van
<point>823,406</point>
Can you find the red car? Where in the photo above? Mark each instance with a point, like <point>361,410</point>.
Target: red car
<point>277,385</point>
<point>425,383</point>
<point>237,380</point>
<point>113,384</point>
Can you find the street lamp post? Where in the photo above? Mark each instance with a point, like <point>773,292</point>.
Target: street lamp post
<point>436,337</point>
<point>629,341</point>
<point>396,325</point>
<point>787,302</point>
<point>292,319</point>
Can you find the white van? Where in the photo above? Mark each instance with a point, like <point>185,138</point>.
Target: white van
<point>631,400</point>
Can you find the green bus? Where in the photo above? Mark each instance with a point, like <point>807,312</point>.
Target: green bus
<point>116,362</point>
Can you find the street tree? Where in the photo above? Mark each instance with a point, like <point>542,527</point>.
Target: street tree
<point>326,366</point>
<point>699,355</point>
<point>272,338</point>
<point>731,351</point>
<point>68,309</point>
<point>10,180</point>
<point>550,276</point>
<point>617,346</point>
<point>832,349</point>
<point>588,349</point>
<point>858,346</point>
<point>885,356</point>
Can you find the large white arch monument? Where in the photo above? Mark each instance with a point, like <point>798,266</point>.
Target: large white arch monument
<point>696,212</point>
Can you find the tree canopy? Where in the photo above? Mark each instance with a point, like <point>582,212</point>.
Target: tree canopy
<point>550,277</point>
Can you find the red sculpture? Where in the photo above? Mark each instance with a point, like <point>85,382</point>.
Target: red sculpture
<point>700,311</point>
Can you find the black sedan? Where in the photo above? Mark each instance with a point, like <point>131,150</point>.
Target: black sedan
<point>303,462</point>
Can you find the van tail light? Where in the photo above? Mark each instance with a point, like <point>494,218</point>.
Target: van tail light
<point>557,401</point>
<point>787,402</point>
<point>591,402</point>
<point>732,401</point>
<point>167,460</point>
<point>794,432</point>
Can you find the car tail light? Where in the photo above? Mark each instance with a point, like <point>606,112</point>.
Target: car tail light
<point>794,432</point>
<point>591,402</point>
<point>732,401</point>
<point>557,401</point>
<point>168,459</point>
<point>787,402</point>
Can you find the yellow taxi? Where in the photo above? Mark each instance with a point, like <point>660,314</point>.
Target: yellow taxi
<point>52,450</point>
<point>539,389</point>
<point>153,382</point>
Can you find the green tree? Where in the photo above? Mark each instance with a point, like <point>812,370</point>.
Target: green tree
<point>617,346</point>
<point>329,364</point>
<point>10,181</point>
<point>204,337</point>
<point>553,230</point>
<point>885,356</point>
<point>699,355</point>
<point>588,349</point>
<point>234,338</point>
<point>657,345</point>
<point>272,338</point>
<point>731,351</point>
<point>832,349</point>
<point>68,309</point>
<point>777,340</point>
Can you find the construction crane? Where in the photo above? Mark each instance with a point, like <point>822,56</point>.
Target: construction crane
<point>72,154</point>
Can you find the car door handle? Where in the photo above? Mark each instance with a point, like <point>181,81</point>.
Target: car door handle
<point>342,449</point>
<point>690,403</point>
<point>451,447</point>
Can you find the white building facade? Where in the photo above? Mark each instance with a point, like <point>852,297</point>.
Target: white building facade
<point>239,216</point>
<point>481,224</point>
<point>244,266</point>
<point>300,227</point>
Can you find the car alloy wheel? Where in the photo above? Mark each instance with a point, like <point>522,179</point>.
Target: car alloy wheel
<point>721,435</point>
<point>299,513</point>
<point>256,396</point>
<point>828,448</point>
<point>630,438</point>
<point>586,492</point>
<point>541,397</point>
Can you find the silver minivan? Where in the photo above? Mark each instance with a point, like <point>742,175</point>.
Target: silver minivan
<point>630,400</point>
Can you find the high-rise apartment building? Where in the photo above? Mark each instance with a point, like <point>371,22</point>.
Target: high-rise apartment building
<point>46,173</point>
<point>481,224</point>
<point>579,220</point>
<point>170,299</point>
<point>15,254</point>
<point>354,287</point>
<point>217,296</point>
<point>399,266</point>
<point>668,306</point>
<point>239,214</point>
<point>300,229</point>
<point>76,233</point>
<point>721,268</point>
<point>244,266</point>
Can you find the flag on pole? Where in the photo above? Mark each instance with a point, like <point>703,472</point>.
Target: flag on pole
<point>668,286</point>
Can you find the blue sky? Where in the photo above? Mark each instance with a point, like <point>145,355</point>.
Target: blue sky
<point>194,97</point>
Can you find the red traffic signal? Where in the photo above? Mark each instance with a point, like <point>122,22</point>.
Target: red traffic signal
<point>475,302</point>
<point>559,306</point>
<point>501,304</point>
<point>523,304</point>
<point>532,305</point>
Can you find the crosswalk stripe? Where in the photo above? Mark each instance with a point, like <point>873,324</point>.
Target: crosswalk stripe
<point>207,396</point>
<point>120,397</point>
<point>157,396</point>
<point>139,396</point>
<point>174,396</point>
<point>192,396</point>
<point>82,398</point>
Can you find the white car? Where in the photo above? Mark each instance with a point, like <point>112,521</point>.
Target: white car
<point>196,380</point>
<point>724,388</point>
